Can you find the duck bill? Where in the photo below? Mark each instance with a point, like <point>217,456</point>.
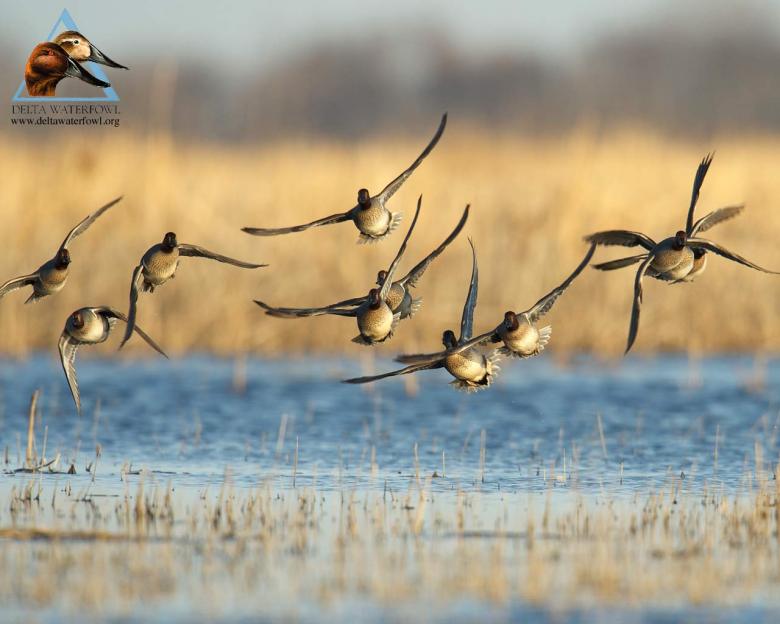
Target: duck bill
<point>96,56</point>
<point>77,71</point>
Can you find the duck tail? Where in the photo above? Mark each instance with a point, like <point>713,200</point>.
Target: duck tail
<point>414,307</point>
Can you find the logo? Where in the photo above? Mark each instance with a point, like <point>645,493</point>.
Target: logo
<point>66,54</point>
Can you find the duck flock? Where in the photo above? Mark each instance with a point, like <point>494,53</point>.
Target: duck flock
<point>471,360</point>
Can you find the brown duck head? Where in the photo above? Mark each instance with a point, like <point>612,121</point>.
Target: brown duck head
<point>510,321</point>
<point>449,340</point>
<point>364,199</point>
<point>381,277</point>
<point>47,65</point>
<point>169,242</point>
<point>62,259</point>
<point>77,319</point>
<point>680,239</point>
<point>374,301</point>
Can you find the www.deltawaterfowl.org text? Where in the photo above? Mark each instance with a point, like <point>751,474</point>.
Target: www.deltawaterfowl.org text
<point>65,115</point>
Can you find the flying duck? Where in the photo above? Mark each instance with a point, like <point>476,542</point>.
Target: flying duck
<point>371,216</point>
<point>471,369</point>
<point>517,331</point>
<point>89,326</point>
<point>52,275</point>
<point>159,264</point>
<point>674,259</point>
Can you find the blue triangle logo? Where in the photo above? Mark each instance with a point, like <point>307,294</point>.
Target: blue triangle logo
<point>109,94</point>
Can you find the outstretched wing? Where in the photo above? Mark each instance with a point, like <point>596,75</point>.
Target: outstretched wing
<point>634,326</point>
<point>290,313</point>
<point>625,238</point>
<point>68,348</point>
<point>417,271</point>
<point>701,243</point>
<point>544,304</point>
<point>18,282</point>
<point>715,217</point>
<point>402,371</point>
<point>619,263</point>
<point>115,314</point>
<point>701,172</point>
<point>467,319</point>
<point>422,358</point>
<point>391,188</point>
<point>336,218</point>
<point>135,283</point>
<point>193,251</point>
<point>387,284</point>
<point>86,222</point>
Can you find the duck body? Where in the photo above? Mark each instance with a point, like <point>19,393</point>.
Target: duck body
<point>472,370</point>
<point>671,260</point>
<point>699,265</point>
<point>375,323</point>
<point>525,340</point>
<point>374,221</point>
<point>51,279</point>
<point>159,264</point>
<point>95,328</point>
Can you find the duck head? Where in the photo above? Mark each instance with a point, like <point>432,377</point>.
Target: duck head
<point>680,239</point>
<point>81,49</point>
<point>449,340</point>
<point>374,301</point>
<point>62,259</point>
<point>364,199</point>
<point>169,242</point>
<point>77,319</point>
<point>510,321</point>
<point>381,277</point>
<point>47,65</point>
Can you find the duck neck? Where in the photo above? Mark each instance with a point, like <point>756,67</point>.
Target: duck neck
<point>41,86</point>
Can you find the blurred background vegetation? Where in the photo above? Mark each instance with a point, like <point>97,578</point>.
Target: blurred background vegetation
<point>232,120</point>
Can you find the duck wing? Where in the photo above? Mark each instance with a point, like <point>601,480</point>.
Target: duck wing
<point>403,371</point>
<point>701,173</point>
<point>634,325</point>
<point>290,313</point>
<point>384,287</point>
<point>18,282</point>
<point>715,217</point>
<point>417,271</point>
<point>467,319</point>
<point>68,348</point>
<point>113,315</point>
<point>619,263</point>
<point>545,304</point>
<point>422,358</point>
<point>135,284</point>
<point>391,188</point>
<point>701,243</point>
<point>625,238</point>
<point>336,218</point>
<point>84,224</point>
<point>193,251</point>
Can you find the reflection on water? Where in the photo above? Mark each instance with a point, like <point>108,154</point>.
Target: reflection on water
<point>628,426</point>
<point>269,488</point>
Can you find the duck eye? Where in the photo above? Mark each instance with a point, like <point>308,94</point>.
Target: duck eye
<point>76,42</point>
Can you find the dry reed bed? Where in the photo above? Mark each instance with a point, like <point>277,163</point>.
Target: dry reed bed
<point>280,552</point>
<point>532,201</point>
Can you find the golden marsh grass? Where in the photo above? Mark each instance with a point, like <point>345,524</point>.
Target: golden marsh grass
<point>532,199</point>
